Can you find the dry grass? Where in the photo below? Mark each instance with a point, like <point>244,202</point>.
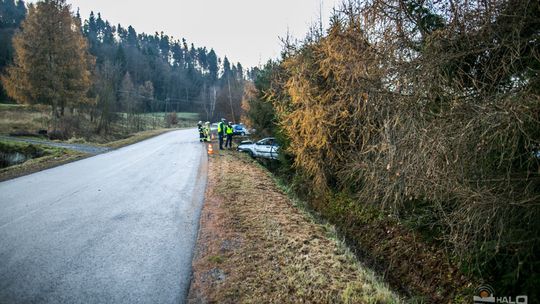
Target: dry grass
<point>136,137</point>
<point>14,118</point>
<point>29,119</point>
<point>255,246</point>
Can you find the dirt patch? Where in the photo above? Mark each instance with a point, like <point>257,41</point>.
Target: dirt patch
<point>255,246</point>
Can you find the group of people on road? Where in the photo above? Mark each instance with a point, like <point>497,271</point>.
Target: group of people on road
<point>204,131</point>
<point>225,132</point>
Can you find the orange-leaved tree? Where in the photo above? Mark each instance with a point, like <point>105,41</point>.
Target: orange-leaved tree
<point>51,63</point>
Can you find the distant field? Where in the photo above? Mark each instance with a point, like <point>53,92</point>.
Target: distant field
<point>20,118</point>
<point>15,118</point>
<point>159,119</point>
<point>9,105</point>
<point>182,115</point>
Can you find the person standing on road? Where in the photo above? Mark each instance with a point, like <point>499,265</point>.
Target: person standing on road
<point>201,131</point>
<point>206,131</point>
<point>229,132</point>
<point>221,132</point>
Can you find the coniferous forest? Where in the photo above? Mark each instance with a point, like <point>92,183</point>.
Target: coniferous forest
<point>120,70</point>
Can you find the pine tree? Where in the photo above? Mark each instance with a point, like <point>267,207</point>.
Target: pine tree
<point>239,72</point>
<point>132,37</point>
<point>11,15</point>
<point>51,64</point>
<point>90,29</point>
<point>164,46</point>
<point>226,69</point>
<point>213,67</point>
<point>120,60</point>
<point>106,95</point>
<point>146,94</point>
<point>127,94</point>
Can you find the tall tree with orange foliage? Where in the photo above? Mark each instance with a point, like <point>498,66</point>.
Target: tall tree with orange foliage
<point>51,63</point>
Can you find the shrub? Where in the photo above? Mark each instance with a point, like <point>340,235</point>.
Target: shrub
<point>172,119</point>
<point>414,107</point>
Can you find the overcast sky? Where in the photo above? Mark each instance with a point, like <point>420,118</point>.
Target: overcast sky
<point>244,30</point>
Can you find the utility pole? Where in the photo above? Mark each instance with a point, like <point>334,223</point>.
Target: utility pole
<point>230,97</point>
<point>214,98</point>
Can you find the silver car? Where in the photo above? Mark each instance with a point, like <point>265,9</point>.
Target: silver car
<point>264,148</point>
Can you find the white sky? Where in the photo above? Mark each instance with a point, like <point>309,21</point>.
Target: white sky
<point>244,30</point>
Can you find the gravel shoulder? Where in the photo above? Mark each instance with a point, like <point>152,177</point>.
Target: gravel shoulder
<point>256,246</point>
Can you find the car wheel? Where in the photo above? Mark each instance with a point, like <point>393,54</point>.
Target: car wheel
<point>251,153</point>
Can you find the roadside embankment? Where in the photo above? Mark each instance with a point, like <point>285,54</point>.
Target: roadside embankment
<point>256,246</point>
<point>20,158</point>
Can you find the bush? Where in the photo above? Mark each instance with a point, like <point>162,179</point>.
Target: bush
<point>172,119</point>
<point>430,115</point>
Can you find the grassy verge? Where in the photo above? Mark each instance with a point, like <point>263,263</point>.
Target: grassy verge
<point>413,264</point>
<point>16,118</point>
<point>409,260</point>
<point>48,157</point>
<point>256,246</point>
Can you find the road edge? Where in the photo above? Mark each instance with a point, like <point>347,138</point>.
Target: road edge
<point>198,197</point>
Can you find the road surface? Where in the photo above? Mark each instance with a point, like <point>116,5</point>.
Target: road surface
<point>118,227</point>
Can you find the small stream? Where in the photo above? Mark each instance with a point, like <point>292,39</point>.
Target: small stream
<point>12,158</point>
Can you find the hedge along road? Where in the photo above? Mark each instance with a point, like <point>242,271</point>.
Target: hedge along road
<point>118,227</point>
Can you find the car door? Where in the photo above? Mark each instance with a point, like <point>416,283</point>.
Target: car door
<point>263,148</point>
<point>274,150</point>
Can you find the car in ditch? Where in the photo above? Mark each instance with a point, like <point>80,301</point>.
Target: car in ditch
<point>265,148</point>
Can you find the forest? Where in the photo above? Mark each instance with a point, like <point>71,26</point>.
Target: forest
<point>108,73</point>
<point>414,127</point>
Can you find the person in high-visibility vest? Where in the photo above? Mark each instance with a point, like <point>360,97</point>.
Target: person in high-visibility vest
<point>201,131</point>
<point>229,132</point>
<point>207,132</point>
<point>221,132</point>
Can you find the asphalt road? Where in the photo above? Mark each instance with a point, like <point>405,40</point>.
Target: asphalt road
<point>118,227</point>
